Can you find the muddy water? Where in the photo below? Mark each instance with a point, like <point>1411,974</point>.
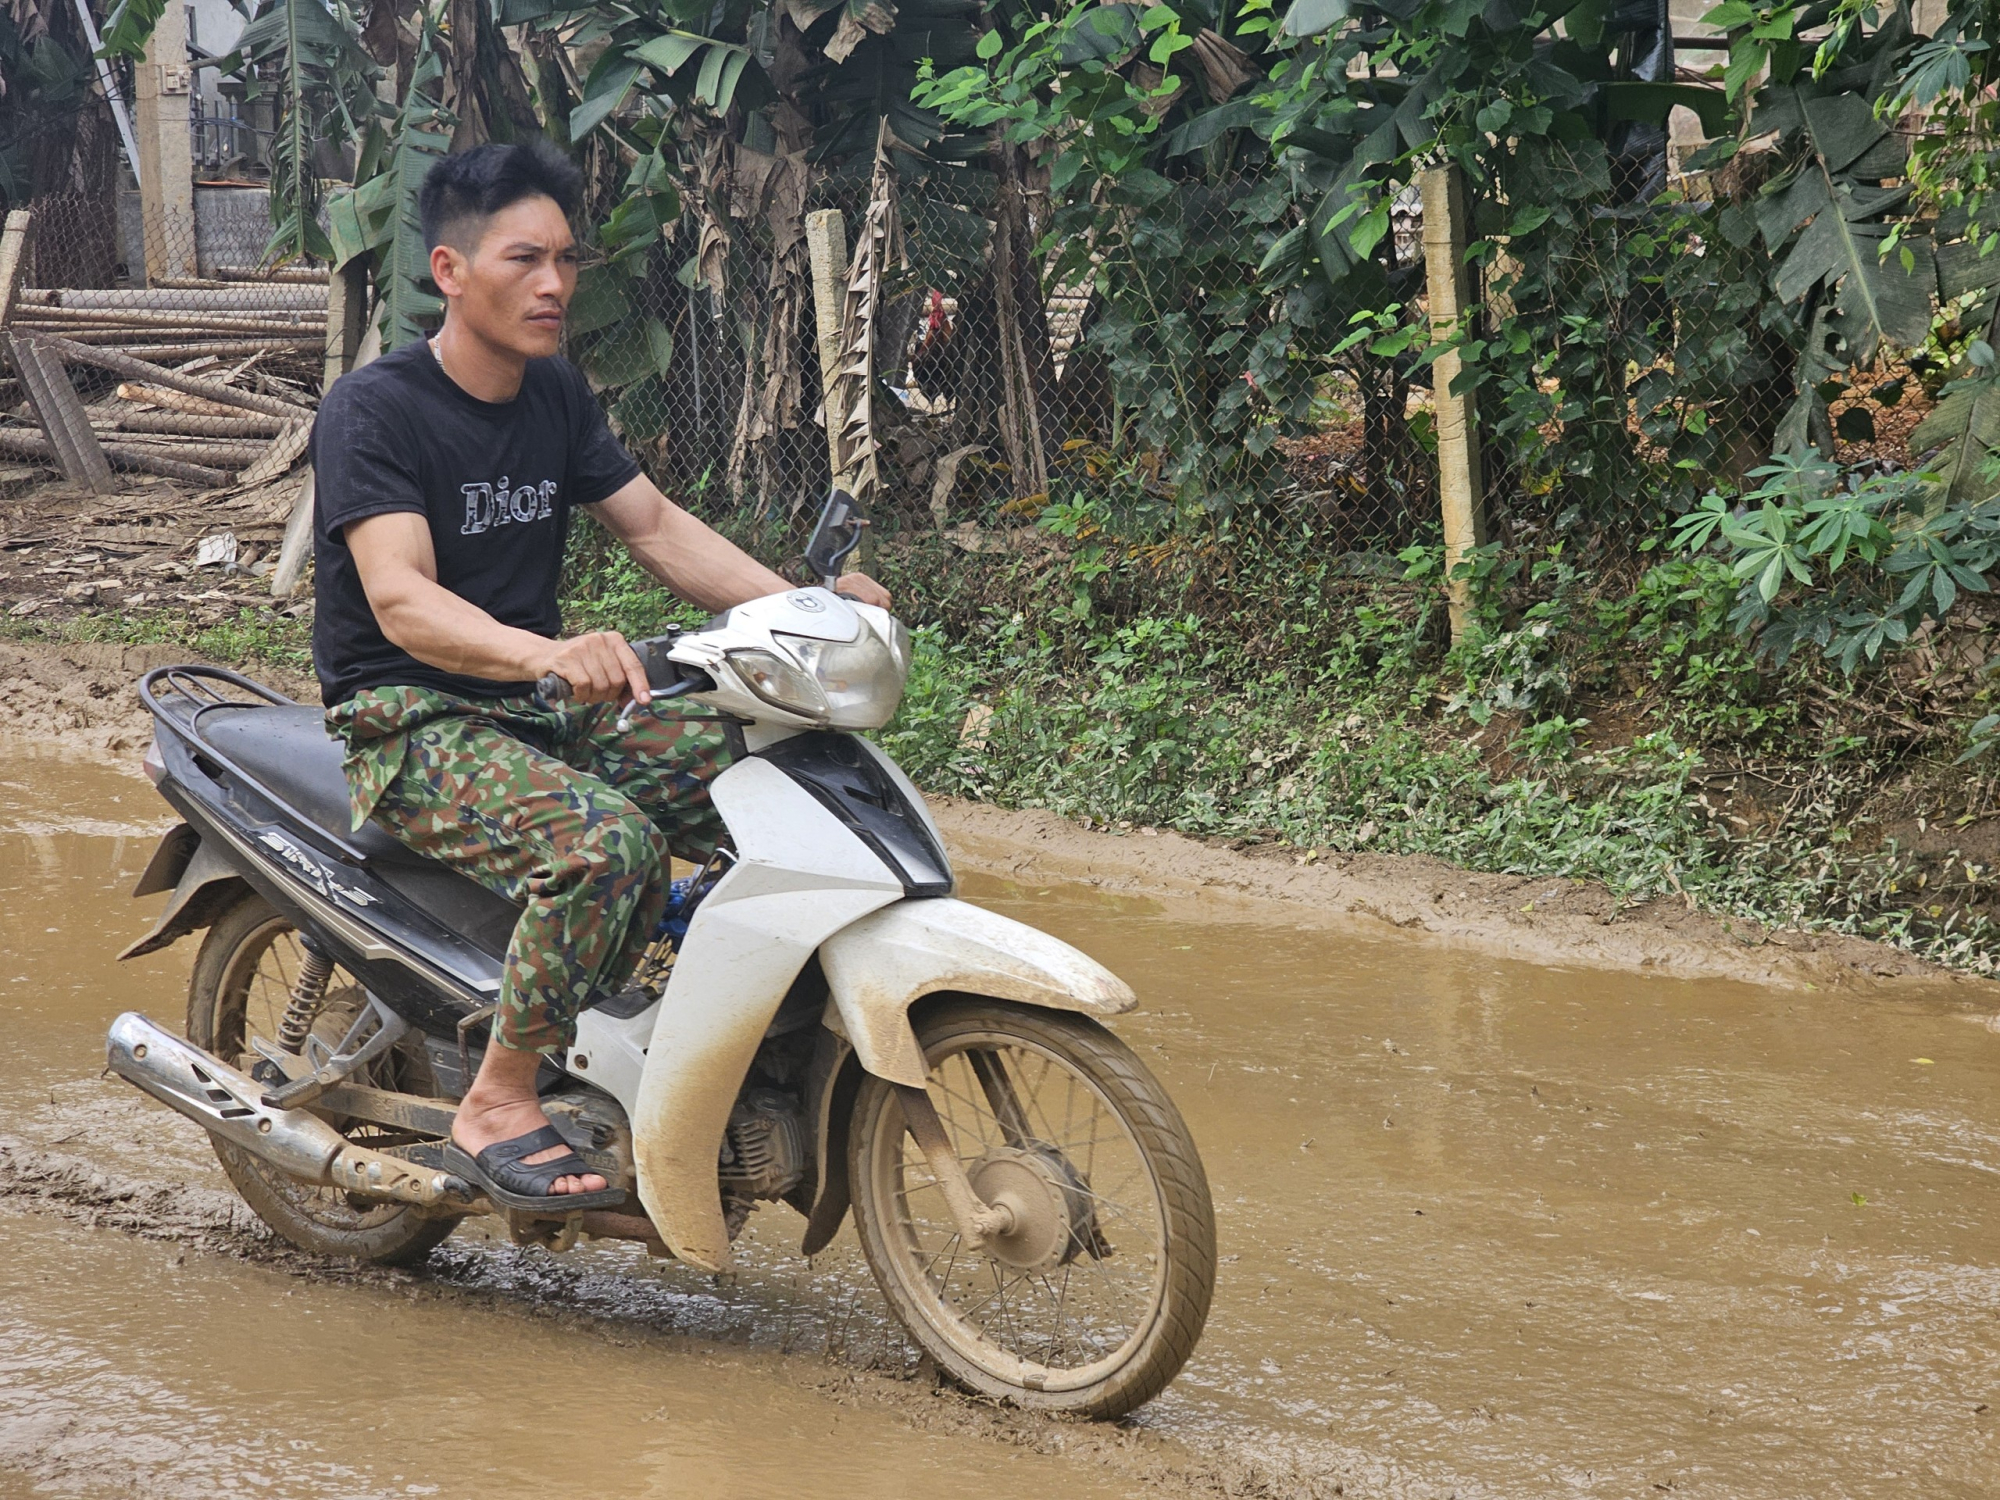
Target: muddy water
<point>131,1365</point>
<point>1488,1229</point>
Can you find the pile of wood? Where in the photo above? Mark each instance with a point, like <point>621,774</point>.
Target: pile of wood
<point>177,323</point>
<point>210,382</point>
<point>178,423</point>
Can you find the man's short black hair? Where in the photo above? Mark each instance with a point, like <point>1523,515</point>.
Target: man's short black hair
<point>461,192</point>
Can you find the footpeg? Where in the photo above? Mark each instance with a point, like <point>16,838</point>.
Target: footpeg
<point>337,1064</point>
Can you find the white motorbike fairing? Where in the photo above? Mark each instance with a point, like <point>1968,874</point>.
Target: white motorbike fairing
<point>800,876</point>
<point>878,967</point>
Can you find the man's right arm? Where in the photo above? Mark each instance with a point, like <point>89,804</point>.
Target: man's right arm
<point>398,568</point>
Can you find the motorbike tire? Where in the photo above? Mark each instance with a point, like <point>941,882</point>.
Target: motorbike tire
<point>322,1220</point>
<point>1083,1056</point>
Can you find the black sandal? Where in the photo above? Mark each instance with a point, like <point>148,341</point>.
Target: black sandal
<point>499,1172</point>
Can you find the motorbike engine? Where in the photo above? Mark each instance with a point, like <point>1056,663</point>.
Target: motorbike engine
<point>764,1148</point>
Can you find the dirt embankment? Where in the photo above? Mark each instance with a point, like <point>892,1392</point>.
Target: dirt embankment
<point>81,697</point>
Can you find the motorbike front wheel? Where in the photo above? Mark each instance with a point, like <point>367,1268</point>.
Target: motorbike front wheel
<point>1096,1297</point>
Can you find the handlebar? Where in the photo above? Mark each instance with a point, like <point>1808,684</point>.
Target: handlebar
<point>553,688</point>
<point>667,677</point>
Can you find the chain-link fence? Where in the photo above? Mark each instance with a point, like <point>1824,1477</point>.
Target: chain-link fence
<point>735,413</point>
<point>990,399</point>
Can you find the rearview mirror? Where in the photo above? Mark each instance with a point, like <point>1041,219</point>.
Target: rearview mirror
<point>835,537</point>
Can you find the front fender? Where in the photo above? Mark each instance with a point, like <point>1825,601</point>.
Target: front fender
<point>878,967</point>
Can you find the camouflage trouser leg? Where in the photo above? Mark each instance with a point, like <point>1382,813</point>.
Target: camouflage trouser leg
<point>550,807</point>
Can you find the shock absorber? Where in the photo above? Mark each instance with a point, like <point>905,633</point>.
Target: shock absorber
<point>308,994</point>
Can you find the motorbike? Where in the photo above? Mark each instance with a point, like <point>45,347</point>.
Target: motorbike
<point>819,1022</point>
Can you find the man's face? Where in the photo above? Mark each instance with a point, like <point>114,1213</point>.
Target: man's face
<point>514,287</point>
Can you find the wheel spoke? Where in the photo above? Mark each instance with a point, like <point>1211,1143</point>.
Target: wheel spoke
<point>991,1070</point>
<point>255,990</point>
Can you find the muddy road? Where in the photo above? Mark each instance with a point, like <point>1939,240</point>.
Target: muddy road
<point>1490,1228</point>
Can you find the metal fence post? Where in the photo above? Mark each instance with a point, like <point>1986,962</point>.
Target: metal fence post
<point>826,245</point>
<point>161,88</point>
<point>1461,492</point>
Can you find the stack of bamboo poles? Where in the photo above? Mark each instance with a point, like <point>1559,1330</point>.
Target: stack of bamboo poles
<point>183,322</point>
<point>195,423</point>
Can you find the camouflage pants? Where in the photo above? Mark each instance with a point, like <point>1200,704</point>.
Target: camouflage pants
<point>552,807</point>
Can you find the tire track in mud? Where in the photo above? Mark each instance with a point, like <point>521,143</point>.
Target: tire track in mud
<point>868,1372</point>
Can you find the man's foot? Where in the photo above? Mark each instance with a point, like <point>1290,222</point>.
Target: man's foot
<point>485,1120</point>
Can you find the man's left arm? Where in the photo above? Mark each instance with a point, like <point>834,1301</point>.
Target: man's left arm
<point>692,559</point>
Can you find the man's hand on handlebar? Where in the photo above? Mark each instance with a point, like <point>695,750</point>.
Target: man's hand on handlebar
<point>863,589</point>
<point>599,668</point>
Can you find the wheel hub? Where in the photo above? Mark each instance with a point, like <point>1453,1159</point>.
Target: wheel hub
<point>1050,1209</point>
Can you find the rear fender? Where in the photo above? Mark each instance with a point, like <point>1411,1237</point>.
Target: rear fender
<point>205,885</point>
<point>878,967</point>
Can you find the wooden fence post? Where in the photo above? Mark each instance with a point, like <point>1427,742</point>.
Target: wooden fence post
<point>826,245</point>
<point>352,339</point>
<point>162,87</point>
<point>17,257</point>
<point>347,291</point>
<point>1461,489</point>
<point>63,420</point>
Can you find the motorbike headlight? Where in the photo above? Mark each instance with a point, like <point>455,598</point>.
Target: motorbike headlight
<point>779,682</point>
<point>861,680</point>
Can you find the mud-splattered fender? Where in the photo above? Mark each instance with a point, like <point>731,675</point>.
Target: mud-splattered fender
<point>799,875</point>
<point>878,967</point>
<point>204,882</point>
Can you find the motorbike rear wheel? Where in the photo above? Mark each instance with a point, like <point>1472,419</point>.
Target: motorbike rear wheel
<point>1097,1296</point>
<point>241,984</point>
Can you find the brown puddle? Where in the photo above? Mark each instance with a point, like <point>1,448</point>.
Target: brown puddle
<point>1489,1229</point>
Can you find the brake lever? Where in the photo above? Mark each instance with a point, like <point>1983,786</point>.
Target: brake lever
<point>700,682</point>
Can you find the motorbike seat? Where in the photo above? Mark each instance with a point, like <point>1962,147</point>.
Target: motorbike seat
<point>289,751</point>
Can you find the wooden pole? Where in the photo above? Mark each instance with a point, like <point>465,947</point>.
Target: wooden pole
<point>176,322</point>
<point>239,297</point>
<point>163,84</point>
<point>826,244</point>
<point>1461,490</point>
<point>353,339</point>
<point>139,369</point>
<point>120,456</point>
<point>346,318</point>
<point>63,420</point>
<point>17,254</point>
<point>298,543</point>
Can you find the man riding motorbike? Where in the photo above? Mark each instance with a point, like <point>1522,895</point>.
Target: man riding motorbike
<point>445,475</point>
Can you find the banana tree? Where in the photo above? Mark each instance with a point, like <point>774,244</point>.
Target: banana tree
<point>325,84</point>
<point>379,217</point>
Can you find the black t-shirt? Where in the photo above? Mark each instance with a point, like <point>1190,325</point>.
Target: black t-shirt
<point>496,480</point>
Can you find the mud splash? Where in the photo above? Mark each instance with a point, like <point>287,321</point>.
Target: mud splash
<point>1490,1229</point>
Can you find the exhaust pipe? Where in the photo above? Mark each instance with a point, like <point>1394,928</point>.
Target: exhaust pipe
<point>230,1106</point>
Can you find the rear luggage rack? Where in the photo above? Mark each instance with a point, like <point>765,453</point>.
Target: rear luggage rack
<point>178,697</point>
